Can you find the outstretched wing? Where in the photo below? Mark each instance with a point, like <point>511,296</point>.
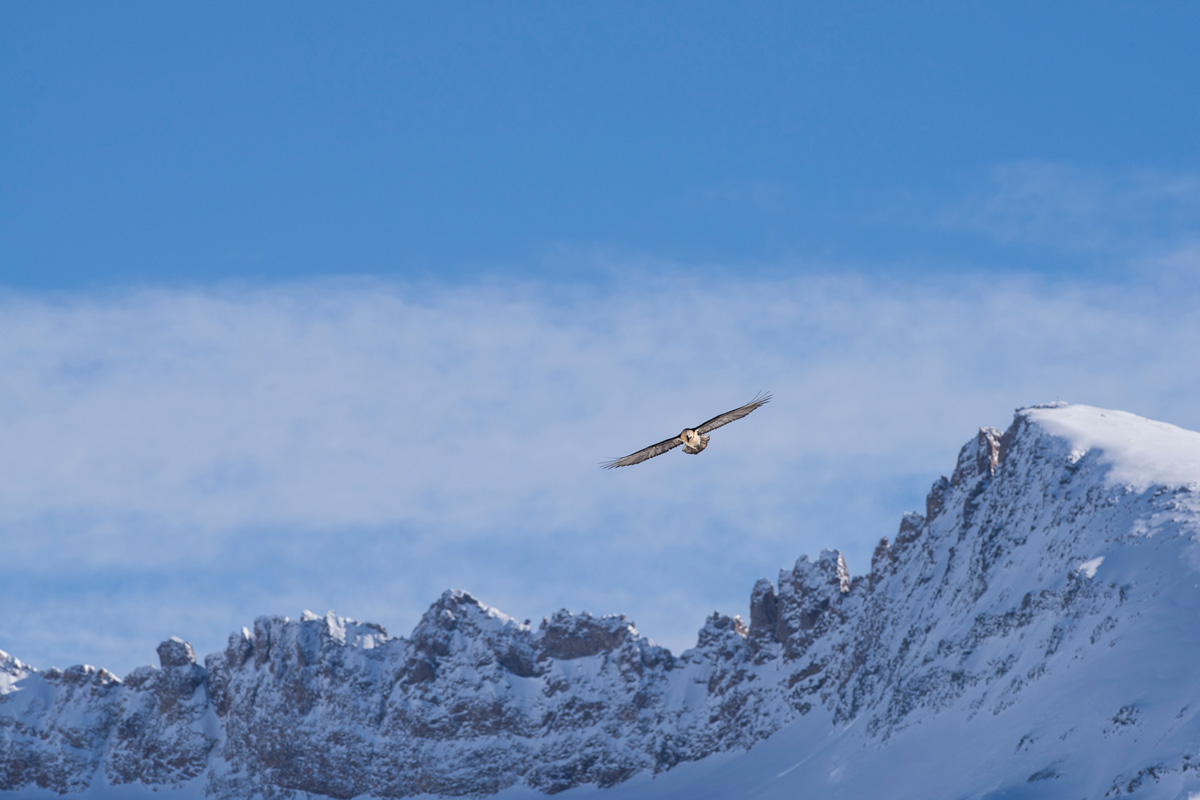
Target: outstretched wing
<point>643,454</point>
<point>730,416</point>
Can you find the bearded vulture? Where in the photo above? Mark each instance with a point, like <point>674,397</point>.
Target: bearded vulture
<point>693,439</point>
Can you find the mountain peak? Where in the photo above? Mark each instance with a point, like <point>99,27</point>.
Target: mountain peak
<point>1137,452</point>
<point>1032,634</point>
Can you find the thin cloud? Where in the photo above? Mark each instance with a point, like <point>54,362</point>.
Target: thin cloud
<point>364,446</point>
<point>1080,209</point>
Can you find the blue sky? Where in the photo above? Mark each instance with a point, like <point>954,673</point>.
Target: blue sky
<point>314,307</point>
<point>151,143</point>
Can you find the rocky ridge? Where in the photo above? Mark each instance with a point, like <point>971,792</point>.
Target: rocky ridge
<point>971,610</point>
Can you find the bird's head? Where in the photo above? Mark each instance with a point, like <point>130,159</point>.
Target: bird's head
<point>687,435</point>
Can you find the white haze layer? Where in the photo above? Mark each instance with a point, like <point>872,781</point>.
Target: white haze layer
<point>176,462</point>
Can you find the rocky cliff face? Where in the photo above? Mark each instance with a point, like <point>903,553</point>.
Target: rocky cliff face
<point>1048,549</point>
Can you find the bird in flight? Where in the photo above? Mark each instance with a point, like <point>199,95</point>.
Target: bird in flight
<point>693,439</point>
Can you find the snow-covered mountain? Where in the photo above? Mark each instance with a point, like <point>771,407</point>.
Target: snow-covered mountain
<point>1035,633</point>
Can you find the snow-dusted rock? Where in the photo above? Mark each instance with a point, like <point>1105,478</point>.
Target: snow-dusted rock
<point>1036,629</point>
<point>54,726</point>
<point>163,734</point>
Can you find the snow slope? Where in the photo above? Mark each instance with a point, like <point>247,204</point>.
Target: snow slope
<point>1035,633</point>
<point>1139,452</point>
